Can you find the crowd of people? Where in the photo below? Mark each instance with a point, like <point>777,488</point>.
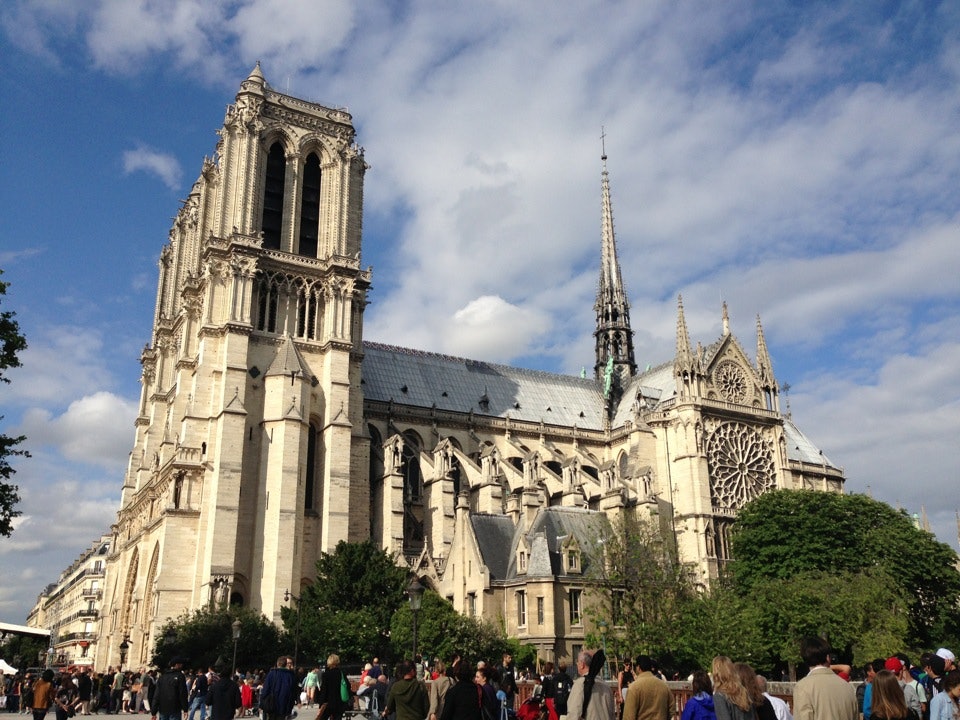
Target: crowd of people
<point>892,689</point>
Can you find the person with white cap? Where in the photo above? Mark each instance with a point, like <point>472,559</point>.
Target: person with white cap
<point>949,659</point>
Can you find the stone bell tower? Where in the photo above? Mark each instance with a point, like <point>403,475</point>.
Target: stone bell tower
<point>250,422</point>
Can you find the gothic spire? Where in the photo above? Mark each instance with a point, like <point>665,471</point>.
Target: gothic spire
<point>614,338</point>
<point>725,317</point>
<point>684,352</point>
<point>764,364</point>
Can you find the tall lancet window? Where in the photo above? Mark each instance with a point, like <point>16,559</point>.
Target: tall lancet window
<point>273,196</point>
<point>310,206</point>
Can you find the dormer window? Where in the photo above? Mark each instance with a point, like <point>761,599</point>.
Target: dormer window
<point>571,557</point>
<point>522,561</point>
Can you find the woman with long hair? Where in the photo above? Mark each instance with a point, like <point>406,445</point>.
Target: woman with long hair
<point>700,705</point>
<point>730,698</point>
<point>762,706</point>
<point>887,701</point>
<point>946,703</point>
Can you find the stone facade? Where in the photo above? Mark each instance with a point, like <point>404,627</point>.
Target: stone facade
<point>268,429</point>
<point>70,609</point>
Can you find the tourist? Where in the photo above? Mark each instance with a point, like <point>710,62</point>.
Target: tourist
<point>549,685</point>
<point>762,706</point>
<point>461,701</point>
<point>277,694</point>
<point>700,704</point>
<point>821,695</point>
<point>949,659</point>
<point>648,697</point>
<point>599,703</point>
<point>246,696</point>
<point>65,697</point>
<point>408,695</point>
<point>43,693</point>
<point>223,696</point>
<point>780,707</point>
<point>438,690</point>
<point>945,705</point>
<point>887,701</point>
<point>624,678</point>
<point>169,700</point>
<point>310,683</point>
<point>329,693</point>
<point>731,699</point>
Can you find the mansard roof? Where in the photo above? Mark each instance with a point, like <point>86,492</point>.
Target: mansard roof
<point>424,379</point>
<point>551,527</point>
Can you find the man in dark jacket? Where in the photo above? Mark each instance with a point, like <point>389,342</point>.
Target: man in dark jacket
<point>169,699</point>
<point>279,691</point>
<point>223,696</point>
<point>408,696</point>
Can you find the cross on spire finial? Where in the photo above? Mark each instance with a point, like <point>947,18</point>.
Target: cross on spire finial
<point>603,143</point>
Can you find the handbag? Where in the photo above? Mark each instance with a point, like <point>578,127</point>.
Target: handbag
<point>344,688</point>
<point>268,703</point>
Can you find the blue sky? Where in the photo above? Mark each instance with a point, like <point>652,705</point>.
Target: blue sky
<point>797,160</point>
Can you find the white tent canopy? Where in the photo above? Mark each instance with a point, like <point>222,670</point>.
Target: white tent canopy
<point>7,669</point>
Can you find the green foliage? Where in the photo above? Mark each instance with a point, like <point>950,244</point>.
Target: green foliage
<point>788,533</point>
<point>22,651</point>
<point>349,607</point>
<point>640,594</point>
<point>12,343</point>
<point>442,631</point>
<point>862,614</point>
<point>206,636</point>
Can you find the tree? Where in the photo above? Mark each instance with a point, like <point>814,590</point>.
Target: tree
<point>442,631</point>
<point>794,534</point>
<point>640,593</point>
<point>349,607</point>
<point>12,343</point>
<point>206,636</point>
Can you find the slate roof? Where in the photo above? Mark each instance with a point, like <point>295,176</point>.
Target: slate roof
<point>423,379</point>
<point>493,534</point>
<point>800,448</point>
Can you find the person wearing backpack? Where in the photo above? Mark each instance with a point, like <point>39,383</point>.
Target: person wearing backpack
<point>562,683</point>
<point>330,695</point>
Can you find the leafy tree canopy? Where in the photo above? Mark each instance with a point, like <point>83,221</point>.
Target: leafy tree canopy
<point>442,631</point>
<point>795,534</point>
<point>205,637</point>
<point>348,608</point>
<point>12,343</point>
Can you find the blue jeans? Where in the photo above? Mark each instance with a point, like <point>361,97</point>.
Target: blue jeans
<point>171,716</point>
<point>200,701</point>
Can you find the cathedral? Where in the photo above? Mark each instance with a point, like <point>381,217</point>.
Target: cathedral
<point>269,430</point>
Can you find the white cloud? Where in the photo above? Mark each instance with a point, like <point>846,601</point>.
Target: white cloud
<point>163,165</point>
<point>95,429</point>
<point>492,328</point>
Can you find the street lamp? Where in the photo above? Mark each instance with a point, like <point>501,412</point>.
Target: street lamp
<point>603,639</point>
<point>287,597</point>
<point>415,593</point>
<point>236,636</point>
<point>124,646</point>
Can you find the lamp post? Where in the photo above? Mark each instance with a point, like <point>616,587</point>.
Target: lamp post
<point>603,639</point>
<point>124,646</point>
<point>236,636</point>
<point>287,597</point>
<point>415,593</point>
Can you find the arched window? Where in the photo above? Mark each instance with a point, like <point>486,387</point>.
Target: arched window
<point>410,469</point>
<point>310,206</point>
<point>272,222</point>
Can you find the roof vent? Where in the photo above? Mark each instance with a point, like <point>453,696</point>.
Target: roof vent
<point>404,389</point>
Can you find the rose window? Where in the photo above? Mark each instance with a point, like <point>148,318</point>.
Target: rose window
<point>741,465</point>
<point>731,381</point>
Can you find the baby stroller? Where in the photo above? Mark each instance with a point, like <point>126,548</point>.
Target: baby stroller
<point>533,708</point>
